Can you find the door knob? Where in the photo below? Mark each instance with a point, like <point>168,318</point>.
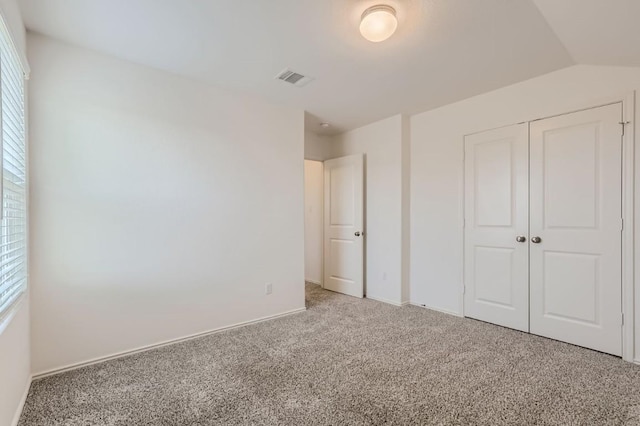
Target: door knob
<point>521,239</point>
<point>357,234</point>
<point>536,240</point>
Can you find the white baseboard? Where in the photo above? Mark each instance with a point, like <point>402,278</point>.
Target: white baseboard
<point>390,302</point>
<point>444,311</point>
<point>636,361</point>
<point>145,348</point>
<point>16,416</point>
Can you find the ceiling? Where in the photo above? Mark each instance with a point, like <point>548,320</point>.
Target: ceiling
<point>598,32</point>
<point>443,50</point>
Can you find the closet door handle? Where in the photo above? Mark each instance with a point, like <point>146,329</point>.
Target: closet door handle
<point>521,238</point>
<point>536,240</point>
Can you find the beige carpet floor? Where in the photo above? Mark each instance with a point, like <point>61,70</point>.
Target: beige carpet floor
<point>353,362</point>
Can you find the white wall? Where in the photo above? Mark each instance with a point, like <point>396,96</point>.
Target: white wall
<point>382,145</point>
<point>160,206</point>
<point>15,368</point>
<point>317,147</point>
<point>437,165</point>
<point>15,357</point>
<point>313,223</point>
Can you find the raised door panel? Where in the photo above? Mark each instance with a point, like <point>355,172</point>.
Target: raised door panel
<point>493,183</point>
<point>493,276</point>
<point>571,170</point>
<point>571,277</point>
<point>342,193</point>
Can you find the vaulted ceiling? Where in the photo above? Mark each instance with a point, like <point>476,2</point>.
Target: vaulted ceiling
<point>595,31</point>
<point>443,51</point>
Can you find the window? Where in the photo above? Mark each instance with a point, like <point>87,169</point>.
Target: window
<point>13,226</point>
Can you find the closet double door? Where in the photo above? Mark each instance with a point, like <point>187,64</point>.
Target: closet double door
<point>543,209</point>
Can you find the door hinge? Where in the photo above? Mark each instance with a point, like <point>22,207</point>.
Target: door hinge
<point>624,125</point>
<point>621,318</point>
<point>464,289</point>
<point>621,224</point>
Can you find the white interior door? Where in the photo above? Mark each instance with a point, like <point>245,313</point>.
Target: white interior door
<point>496,253</point>
<point>576,175</point>
<point>343,231</point>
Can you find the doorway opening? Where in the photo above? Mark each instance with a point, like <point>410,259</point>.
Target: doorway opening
<point>313,221</point>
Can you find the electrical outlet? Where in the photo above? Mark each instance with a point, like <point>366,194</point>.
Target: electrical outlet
<point>268,288</point>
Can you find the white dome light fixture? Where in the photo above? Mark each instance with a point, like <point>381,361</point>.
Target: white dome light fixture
<point>378,23</point>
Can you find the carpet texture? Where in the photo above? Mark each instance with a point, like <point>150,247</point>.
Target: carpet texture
<point>353,362</point>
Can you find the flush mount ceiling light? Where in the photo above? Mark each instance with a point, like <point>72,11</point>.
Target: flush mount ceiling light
<point>325,125</point>
<point>378,23</point>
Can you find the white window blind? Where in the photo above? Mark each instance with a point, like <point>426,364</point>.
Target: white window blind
<point>13,227</point>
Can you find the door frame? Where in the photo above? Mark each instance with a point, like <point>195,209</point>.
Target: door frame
<point>629,296</point>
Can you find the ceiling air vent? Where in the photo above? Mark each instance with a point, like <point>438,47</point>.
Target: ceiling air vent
<point>293,77</point>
